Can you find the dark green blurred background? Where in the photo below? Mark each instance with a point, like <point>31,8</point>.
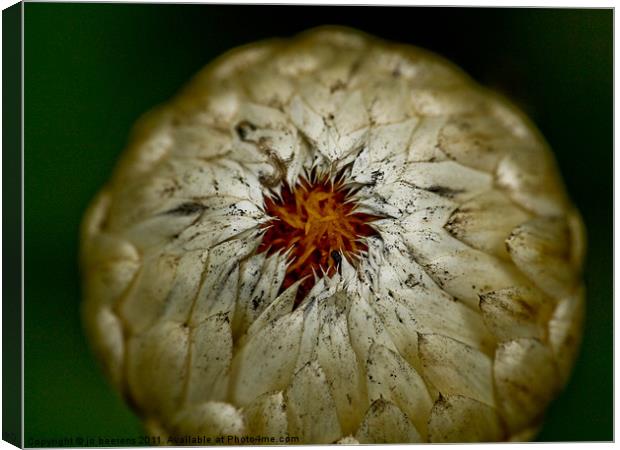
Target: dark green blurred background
<point>92,69</point>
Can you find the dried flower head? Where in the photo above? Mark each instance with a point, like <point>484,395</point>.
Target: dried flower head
<point>336,239</point>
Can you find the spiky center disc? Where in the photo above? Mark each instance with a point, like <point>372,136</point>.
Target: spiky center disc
<point>316,221</point>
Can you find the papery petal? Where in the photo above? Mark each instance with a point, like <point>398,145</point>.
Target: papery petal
<point>459,419</point>
<point>468,273</point>
<point>540,248</point>
<point>440,314</point>
<point>456,369</point>
<point>485,222</point>
<point>512,313</point>
<point>526,379</point>
<point>154,282</point>
<point>267,360</point>
<point>387,101</point>
<point>366,328</point>
<point>437,101</point>
<point>157,367</point>
<point>342,370</point>
<point>107,338</point>
<point>211,419</point>
<point>220,279</point>
<point>385,423</point>
<point>389,140</point>
<point>281,306</point>
<point>260,282</point>
<point>565,329</point>
<point>530,176</point>
<point>391,378</point>
<point>209,364</point>
<point>312,126</point>
<point>311,407</point>
<point>448,179</point>
<point>477,140</point>
<point>351,116</point>
<point>423,145</point>
<point>266,416</point>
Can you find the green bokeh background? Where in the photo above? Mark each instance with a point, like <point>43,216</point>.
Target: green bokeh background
<point>92,69</point>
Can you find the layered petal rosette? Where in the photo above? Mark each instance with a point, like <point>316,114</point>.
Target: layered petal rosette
<point>335,239</point>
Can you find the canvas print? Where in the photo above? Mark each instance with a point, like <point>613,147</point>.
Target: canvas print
<point>363,225</point>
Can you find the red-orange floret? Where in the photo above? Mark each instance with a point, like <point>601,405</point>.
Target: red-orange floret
<point>315,219</point>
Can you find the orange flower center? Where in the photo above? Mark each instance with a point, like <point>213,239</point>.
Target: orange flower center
<point>316,220</point>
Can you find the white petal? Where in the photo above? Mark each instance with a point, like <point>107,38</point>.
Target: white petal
<point>338,66</point>
<point>197,140</point>
<point>541,248</point>
<point>526,435</point>
<point>390,377</point>
<point>105,331</point>
<point>402,283</point>
<point>335,355</point>
<point>385,423</point>
<point>312,126</point>
<point>512,313</point>
<point>439,101</point>
<point>260,282</point>
<point>212,178</point>
<point>311,408</point>
<point>423,145</point>
<point>477,140</point>
<point>530,176</point>
<point>441,314</point>
<point>427,244</point>
<point>249,276</point>
<point>185,288</point>
<point>266,416</point>
<point>448,179</point>
<point>218,292</point>
<point>149,145</point>
<point>157,367</point>
<point>408,299</point>
<point>309,339</point>
<point>485,222</point>
<point>412,205</point>
<point>455,418</point>
<point>109,281</point>
<point>282,305</point>
<point>266,362</point>
<point>317,96</point>
<point>268,87</point>
<point>468,273</point>
<point>145,301</point>
<point>214,229</point>
<point>391,139</point>
<point>456,369</point>
<point>105,248</point>
<point>577,231</point>
<point>526,380</point>
<point>210,419</point>
<point>388,100</point>
<point>292,63</point>
<point>269,129</point>
<point>565,327</point>
<point>366,328</point>
<point>401,325</point>
<point>351,115</point>
<point>361,171</point>
<point>210,355</point>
